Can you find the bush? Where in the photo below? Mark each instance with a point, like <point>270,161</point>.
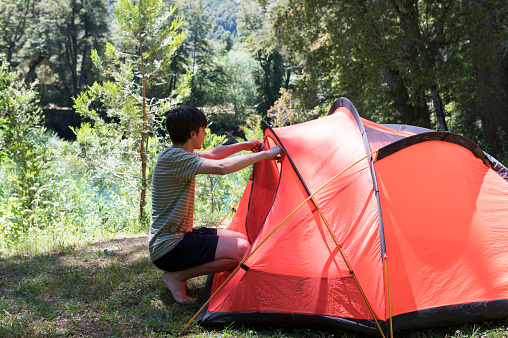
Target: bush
<point>46,200</point>
<point>25,156</point>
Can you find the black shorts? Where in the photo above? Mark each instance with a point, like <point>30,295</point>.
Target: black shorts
<point>195,248</point>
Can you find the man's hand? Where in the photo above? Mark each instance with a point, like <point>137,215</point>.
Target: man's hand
<point>276,153</point>
<point>254,145</point>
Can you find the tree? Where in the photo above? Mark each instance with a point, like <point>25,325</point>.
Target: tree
<point>256,33</point>
<point>488,56</point>
<point>82,25</point>
<point>197,47</point>
<point>130,118</point>
<point>15,16</point>
<point>404,61</point>
<point>239,88</point>
<point>223,16</point>
<point>58,34</point>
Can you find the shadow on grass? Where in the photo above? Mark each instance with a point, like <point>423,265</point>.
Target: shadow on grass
<point>104,289</point>
<point>111,289</point>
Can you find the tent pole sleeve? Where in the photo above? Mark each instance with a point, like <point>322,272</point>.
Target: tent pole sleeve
<point>343,102</point>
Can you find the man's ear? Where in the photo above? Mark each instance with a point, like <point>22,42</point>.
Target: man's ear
<point>193,134</point>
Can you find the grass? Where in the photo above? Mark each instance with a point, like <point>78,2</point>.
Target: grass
<point>110,289</point>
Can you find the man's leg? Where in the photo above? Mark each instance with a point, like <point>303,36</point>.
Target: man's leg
<point>230,249</point>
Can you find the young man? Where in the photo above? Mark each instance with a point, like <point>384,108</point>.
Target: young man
<point>175,247</point>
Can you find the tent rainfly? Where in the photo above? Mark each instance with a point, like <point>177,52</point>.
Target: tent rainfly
<point>369,228</point>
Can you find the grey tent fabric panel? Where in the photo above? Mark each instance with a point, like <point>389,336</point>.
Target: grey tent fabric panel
<point>432,136</point>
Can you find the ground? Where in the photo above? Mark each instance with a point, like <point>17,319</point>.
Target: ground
<point>103,289</point>
<point>111,289</point>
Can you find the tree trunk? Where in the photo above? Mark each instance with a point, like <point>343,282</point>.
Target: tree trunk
<point>408,14</point>
<point>81,82</point>
<point>265,65</point>
<point>288,77</point>
<point>31,75</point>
<point>439,109</point>
<point>142,150</point>
<point>10,53</point>
<point>413,108</point>
<point>73,48</point>
<point>491,81</point>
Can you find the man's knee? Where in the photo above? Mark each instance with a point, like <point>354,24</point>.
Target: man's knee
<point>243,246</point>
<point>232,248</point>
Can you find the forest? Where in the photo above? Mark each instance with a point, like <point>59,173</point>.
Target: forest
<point>85,84</point>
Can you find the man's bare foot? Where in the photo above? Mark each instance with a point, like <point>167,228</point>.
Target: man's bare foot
<point>177,288</point>
<point>188,287</point>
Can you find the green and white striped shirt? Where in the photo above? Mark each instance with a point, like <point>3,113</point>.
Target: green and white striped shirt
<point>173,184</point>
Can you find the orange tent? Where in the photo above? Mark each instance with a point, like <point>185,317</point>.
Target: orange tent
<point>412,236</point>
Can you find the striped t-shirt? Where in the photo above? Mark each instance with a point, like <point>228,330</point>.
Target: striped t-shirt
<point>173,183</point>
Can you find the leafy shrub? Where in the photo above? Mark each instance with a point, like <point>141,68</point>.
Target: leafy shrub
<point>25,156</point>
<point>45,198</point>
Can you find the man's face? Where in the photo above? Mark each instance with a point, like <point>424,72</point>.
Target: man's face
<point>200,137</point>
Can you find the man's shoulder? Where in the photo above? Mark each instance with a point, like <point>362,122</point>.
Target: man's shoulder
<point>174,152</point>
<point>174,157</point>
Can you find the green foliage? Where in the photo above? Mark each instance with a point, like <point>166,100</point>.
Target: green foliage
<point>198,48</point>
<point>25,156</point>
<point>231,84</point>
<point>284,112</point>
<point>426,63</point>
<point>43,203</point>
<point>51,41</point>
<point>223,16</point>
<point>125,120</point>
<point>255,31</point>
<point>14,19</point>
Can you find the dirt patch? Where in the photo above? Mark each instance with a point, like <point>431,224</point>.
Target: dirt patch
<point>122,246</point>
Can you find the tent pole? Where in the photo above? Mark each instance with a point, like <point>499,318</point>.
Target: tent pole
<point>233,208</point>
<point>273,231</point>
<point>389,299</point>
<point>349,267</point>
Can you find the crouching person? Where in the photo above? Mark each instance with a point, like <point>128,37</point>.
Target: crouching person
<point>175,247</point>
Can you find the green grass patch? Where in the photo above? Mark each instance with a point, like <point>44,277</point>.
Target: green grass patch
<point>111,289</point>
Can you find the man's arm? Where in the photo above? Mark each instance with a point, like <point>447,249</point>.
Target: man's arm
<point>232,164</point>
<point>219,153</point>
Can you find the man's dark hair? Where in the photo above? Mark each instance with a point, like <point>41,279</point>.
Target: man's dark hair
<point>181,121</point>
